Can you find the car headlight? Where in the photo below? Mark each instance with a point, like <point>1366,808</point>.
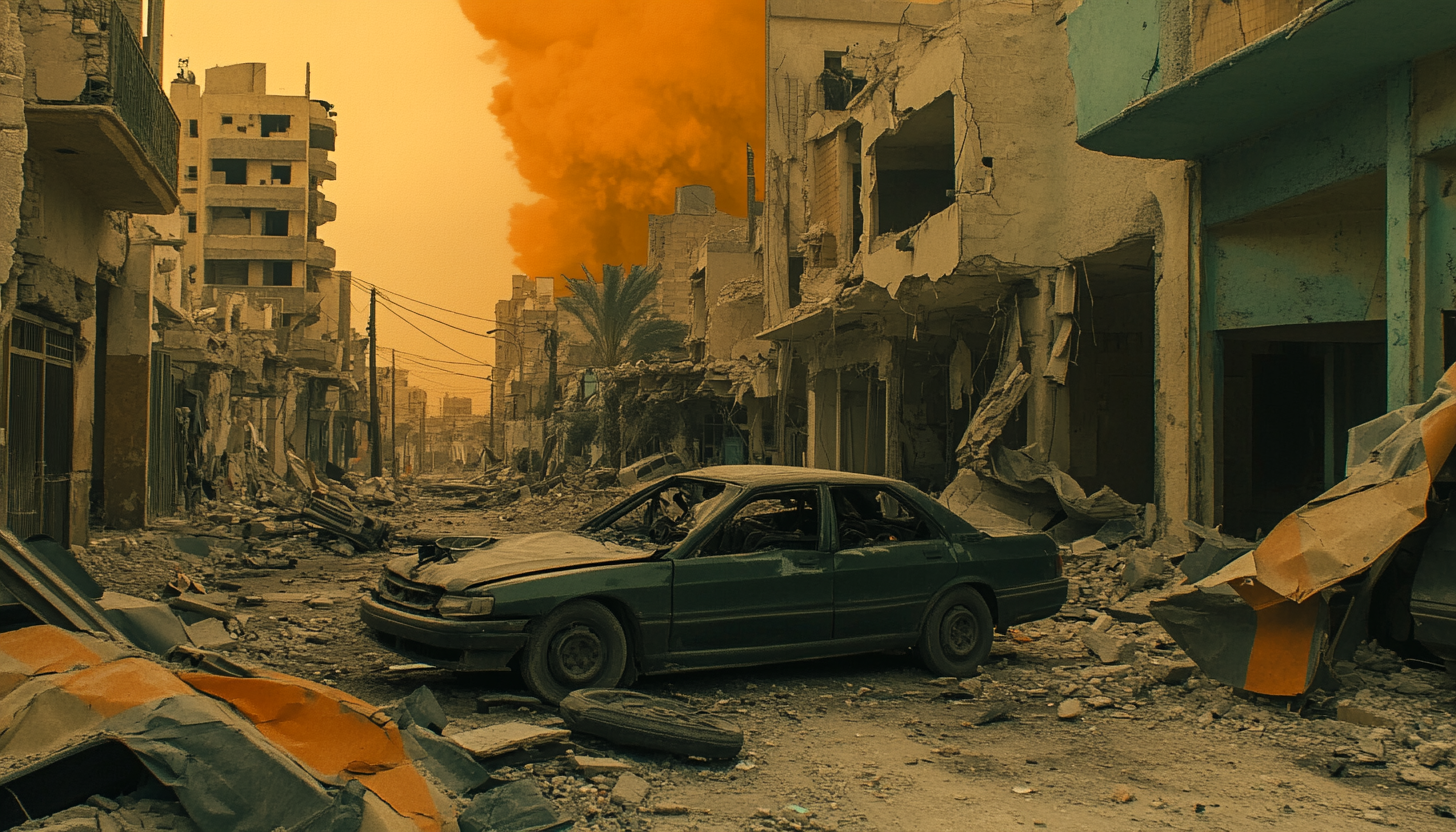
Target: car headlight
<point>460,606</point>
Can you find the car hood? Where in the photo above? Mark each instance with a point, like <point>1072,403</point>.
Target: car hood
<point>513,556</point>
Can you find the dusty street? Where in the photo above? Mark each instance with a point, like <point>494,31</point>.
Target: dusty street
<point>874,742</point>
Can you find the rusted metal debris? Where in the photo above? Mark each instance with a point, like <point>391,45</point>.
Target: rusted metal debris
<point>338,516</point>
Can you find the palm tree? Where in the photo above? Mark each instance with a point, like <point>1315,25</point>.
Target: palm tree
<point>621,316</point>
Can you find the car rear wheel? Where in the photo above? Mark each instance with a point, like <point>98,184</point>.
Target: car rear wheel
<point>957,634</point>
<point>580,644</point>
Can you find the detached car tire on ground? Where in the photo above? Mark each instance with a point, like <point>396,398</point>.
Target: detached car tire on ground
<point>629,718</point>
<point>723,567</point>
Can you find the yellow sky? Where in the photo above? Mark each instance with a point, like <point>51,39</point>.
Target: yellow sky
<point>425,179</point>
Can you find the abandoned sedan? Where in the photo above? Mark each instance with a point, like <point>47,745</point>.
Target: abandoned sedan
<point>720,567</point>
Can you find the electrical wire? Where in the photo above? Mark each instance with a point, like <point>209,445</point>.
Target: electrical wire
<point>437,340</point>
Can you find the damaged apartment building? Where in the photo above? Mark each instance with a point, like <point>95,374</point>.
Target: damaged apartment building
<point>255,352</point>
<point>938,249</point>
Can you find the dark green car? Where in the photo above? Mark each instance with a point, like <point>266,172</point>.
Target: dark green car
<point>720,567</point>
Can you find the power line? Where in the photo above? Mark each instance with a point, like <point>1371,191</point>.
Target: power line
<point>436,340</point>
<point>446,370</point>
<point>436,320</point>
<point>393,293</point>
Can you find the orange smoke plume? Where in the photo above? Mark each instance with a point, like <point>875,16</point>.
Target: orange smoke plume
<point>611,105</point>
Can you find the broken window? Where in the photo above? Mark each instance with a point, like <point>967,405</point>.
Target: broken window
<point>225,272</point>
<point>236,222</point>
<point>280,273</point>
<point>667,512</point>
<point>229,171</point>
<point>915,168</point>
<point>786,520</point>
<point>192,127</point>
<point>839,84</point>
<point>271,124</point>
<point>796,279</point>
<point>191,173</point>
<point>865,515</point>
<point>275,224</point>
<point>282,174</point>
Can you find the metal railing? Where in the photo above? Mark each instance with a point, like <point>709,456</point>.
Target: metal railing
<point>132,88</point>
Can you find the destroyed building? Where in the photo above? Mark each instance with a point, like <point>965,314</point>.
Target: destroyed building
<point>255,351</point>
<point>936,246</point>
<point>523,365</point>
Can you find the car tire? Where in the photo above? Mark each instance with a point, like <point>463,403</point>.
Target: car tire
<point>580,644</point>
<point>629,718</point>
<point>957,634</point>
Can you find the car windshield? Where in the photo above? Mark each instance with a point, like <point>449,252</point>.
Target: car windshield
<point>665,513</point>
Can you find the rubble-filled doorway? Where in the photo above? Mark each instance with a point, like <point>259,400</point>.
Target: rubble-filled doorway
<point>1290,395</point>
<point>41,411</point>
<point>1110,411</point>
<point>862,421</point>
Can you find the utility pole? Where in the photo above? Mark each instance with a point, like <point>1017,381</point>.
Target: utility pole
<point>492,417</point>
<point>424,445</point>
<point>375,468</point>
<point>393,443</point>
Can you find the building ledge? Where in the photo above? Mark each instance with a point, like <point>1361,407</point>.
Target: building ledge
<point>1309,62</point>
<point>95,149</point>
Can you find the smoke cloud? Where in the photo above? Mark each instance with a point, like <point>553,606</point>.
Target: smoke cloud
<point>611,105</point>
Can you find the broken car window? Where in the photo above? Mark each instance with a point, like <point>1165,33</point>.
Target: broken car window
<point>666,513</point>
<point>865,516</point>
<point>786,520</point>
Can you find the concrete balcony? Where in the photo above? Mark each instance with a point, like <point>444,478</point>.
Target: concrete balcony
<point>320,209</point>
<point>313,353</point>
<point>1245,90</point>
<point>249,247</point>
<point>322,129</point>
<point>272,150</point>
<point>116,138</point>
<point>319,165</point>
<point>278,197</point>
<point>320,256</point>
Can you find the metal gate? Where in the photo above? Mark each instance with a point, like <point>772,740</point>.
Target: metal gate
<point>41,408</point>
<point>164,441</point>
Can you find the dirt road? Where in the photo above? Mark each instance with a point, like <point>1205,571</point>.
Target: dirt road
<point>873,742</point>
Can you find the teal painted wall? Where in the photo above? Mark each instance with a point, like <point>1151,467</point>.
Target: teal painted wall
<point>1315,269</point>
<point>1113,52</point>
<point>1331,145</point>
<point>1439,237</point>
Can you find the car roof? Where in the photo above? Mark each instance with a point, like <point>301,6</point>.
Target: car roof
<point>754,476</point>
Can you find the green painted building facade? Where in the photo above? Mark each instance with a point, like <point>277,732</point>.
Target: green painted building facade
<point>1320,247</point>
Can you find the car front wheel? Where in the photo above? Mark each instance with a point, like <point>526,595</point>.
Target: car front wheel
<point>580,644</point>
<point>957,634</point>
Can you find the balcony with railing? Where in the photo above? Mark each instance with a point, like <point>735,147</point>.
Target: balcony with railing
<point>112,131</point>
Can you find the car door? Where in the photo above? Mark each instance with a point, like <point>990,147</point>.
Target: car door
<point>763,578</point>
<point>889,560</point>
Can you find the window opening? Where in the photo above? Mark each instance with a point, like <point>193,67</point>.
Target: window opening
<point>271,124</point>
<point>915,168</point>
<point>227,119</point>
<point>225,272</point>
<point>280,273</point>
<point>796,279</point>
<point>192,127</point>
<point>282,174</point>
<point>192,173</point>
<point>229,171</point>
<point>192,223</point>
<point>236,222</point>
<point>839,84</point>
<point>275,224</point>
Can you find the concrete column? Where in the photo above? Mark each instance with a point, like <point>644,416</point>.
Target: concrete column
<point>1402,349</point>
<point>1036,336</point>
<point>1173,346</point>
<point>128,391</point>
<point>1205,370</point>
<point>895,410</point>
